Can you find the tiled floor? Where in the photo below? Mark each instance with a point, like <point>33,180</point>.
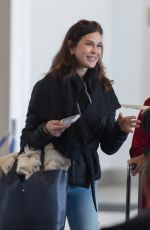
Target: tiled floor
<point>114,204</point>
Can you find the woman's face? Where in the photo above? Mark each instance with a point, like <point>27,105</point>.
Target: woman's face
<point>88,50</point>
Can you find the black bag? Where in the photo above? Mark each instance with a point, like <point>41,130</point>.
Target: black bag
<point>38,203</point>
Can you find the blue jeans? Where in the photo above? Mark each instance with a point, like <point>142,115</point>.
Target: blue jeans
<point>81,212</point>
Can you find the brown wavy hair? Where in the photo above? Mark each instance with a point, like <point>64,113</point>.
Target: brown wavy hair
<point>67,62</point>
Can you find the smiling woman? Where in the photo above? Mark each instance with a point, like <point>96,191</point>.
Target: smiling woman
<point>77,84</point>
<point>88,51</point>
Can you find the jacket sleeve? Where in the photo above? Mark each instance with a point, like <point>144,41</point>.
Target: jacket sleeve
<point>140,138</point>
<point>33,134</point>
<point>146,127</point>
<point>146,121</point>
<point>112,137</point>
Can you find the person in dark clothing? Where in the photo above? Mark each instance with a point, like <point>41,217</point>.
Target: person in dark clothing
<point>142,221</point>
<point>76,84</point>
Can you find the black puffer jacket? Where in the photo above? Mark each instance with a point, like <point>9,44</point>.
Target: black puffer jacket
<point>53,98</point>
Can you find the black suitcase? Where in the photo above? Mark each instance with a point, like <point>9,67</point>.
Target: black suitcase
<point>128,191</point>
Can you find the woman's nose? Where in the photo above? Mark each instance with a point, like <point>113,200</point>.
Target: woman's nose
<point>94,49</point>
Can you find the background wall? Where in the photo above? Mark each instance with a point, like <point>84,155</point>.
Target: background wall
<point>37,30</point>
<point>4,69</point>
<point>130,63</point>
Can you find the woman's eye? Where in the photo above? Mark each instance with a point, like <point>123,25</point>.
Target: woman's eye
<point>100,46</point>
<point>93,45</point>
<point>88,44</point>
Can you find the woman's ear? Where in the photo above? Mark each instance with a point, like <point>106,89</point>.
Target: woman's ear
<point>70,47</point>
<point>71,51</point>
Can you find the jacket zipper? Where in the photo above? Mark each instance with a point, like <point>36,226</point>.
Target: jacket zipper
<point>86,91</point>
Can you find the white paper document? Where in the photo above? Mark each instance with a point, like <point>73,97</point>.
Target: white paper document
<point>70,120</point>
<point>138,107</point>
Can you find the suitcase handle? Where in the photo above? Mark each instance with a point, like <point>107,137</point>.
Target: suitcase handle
<point>131,167</point>
<point>128,189</point>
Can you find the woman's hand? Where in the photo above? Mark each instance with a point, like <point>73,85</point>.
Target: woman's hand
<point>128,123</point>
<point>140,161</point>
<point>55,127</point>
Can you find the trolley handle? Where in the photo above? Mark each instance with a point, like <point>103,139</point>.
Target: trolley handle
<point>131,167</point>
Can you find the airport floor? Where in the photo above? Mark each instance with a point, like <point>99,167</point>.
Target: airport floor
<point>112,207</point>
